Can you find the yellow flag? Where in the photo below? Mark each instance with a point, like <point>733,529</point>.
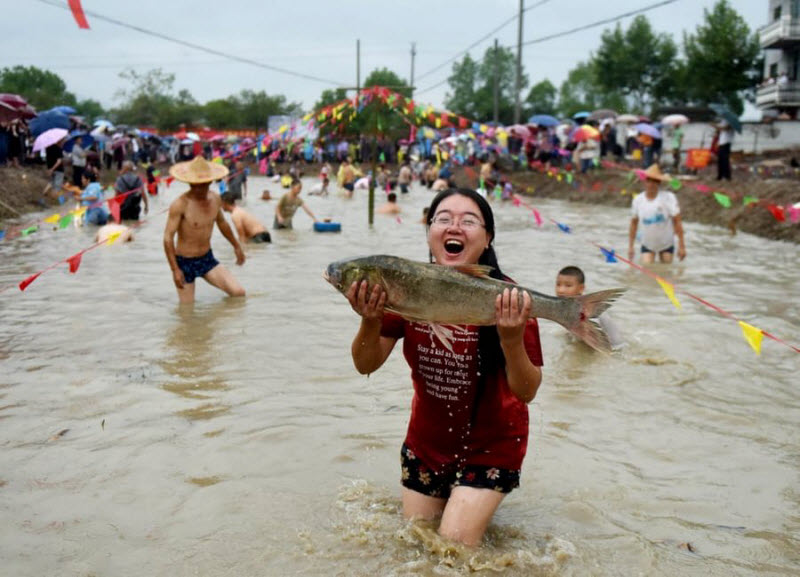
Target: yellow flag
<point>113,236</point>
<point>307,117</point>
<point>623,192</point>
<point>52,219</point>
<point>484,128</point>
<point>558,178</point>
<point>670,291</point>
<point>283,129</point>
<point>78,212</point>
<point>438,122</point>
<point>753,335</point>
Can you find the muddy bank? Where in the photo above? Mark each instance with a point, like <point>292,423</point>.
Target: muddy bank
<point>615,187</point>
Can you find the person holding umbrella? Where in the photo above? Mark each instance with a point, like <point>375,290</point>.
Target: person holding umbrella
<point>660,215</point>
<point>724,138</point>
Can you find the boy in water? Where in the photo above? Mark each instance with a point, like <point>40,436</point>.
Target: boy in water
<point>247,226</point>
<point>570,283</point>
<point>192,216</point>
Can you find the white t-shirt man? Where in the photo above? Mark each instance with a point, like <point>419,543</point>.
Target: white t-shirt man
<point>655,217</point>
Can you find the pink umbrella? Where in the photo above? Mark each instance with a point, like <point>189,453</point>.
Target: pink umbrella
<point>15,100</point>
<point>48,138</point>
<point>520,130</point>
<point>674,120</point>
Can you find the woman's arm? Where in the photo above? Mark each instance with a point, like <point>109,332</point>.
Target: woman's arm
<point>523,376</point>
<point>369,349</point>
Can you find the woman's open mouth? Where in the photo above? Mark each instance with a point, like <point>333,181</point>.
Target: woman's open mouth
<point>453,246</point>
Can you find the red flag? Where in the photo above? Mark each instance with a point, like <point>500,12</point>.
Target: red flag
<point>24,284</point>
<point>113,207</point>
<point>77,12</point>
<point>777,212</point>
<point>171,178</point>
<point>538,217</point>
<point>74,262</point>
<point>462,122</point>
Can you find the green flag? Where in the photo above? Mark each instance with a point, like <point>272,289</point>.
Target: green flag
<point>65,220</point>
<point>675,184</point>
<point>723,199</point>
<point>30,229</point>
<point>749,200</point>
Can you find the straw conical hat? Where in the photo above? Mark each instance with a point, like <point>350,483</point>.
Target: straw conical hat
<point>653,172</point>
<point>198,171</point>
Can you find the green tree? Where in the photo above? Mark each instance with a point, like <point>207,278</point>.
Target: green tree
<point>541,99</point>
<point>90,109</point>
<point>385,77</point>
<point>41,88</point>
<point>581,91</point>
<point>330,96</point>
<point>257,107</point>
<point>222,113</point>
<point>473,85</point>
<point>723,57</point>
<point>148,100</point>
<point>463,81</point>
<point>637,63</point>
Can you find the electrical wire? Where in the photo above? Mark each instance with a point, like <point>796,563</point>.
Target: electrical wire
<point>194,46</point>
<point>481,39</point>
<point>574,30</point>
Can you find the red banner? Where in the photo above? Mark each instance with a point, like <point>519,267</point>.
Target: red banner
<point>77,12</point>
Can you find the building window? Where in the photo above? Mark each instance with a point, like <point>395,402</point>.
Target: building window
<point>776,12</point>
<point>773,70</point>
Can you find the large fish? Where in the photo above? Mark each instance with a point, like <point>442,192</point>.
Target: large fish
<point>465,295</point>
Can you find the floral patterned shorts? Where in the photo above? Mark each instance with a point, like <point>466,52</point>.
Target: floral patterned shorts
<point>420,478</point>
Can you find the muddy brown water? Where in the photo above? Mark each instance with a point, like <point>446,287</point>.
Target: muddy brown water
<point>235,437</point>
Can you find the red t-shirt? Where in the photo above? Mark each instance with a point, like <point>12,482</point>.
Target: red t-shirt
<point>447,428</point>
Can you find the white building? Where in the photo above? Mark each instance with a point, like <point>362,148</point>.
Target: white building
<point>780,40</point>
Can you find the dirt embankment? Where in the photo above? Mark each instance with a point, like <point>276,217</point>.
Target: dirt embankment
<point>605,186</point>
<point>21,191</point>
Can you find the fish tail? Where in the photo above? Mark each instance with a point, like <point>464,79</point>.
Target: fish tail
<point>592,306</point>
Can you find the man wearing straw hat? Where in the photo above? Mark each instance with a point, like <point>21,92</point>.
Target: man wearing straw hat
<point>660,216</point>
<point>192,216</point>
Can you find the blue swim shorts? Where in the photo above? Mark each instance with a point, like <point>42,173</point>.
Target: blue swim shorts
<point>194,267</point>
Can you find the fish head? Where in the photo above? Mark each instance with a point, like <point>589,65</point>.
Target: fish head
<point>343,273</point>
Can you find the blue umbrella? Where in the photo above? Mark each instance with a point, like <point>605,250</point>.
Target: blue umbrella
<point>544,120</point>
<point>63,109</point>
<point>46,121</point>
<point>648,129</point>
<point>582,114</point>
<point>730,117</point>
<point>86,140</point>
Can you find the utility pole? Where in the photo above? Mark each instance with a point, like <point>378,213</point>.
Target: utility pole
<point>496,83</point>
<point>518,83</point>
<point>358,70</point>
<point>413,55</point>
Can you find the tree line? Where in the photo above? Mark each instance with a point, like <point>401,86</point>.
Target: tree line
<point>634,70</point>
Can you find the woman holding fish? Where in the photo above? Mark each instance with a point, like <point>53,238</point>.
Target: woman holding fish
<point>468,431</point>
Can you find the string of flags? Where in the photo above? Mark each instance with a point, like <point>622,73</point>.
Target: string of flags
<point>752,334</point>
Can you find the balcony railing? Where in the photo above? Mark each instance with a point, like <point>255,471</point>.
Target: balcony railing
<point>778,95</point>
<point>785,31</point>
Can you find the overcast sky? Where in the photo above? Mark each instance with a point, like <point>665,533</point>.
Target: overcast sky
<point>315,38</point>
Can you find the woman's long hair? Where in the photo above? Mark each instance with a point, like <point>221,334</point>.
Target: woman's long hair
<point>490,355</point>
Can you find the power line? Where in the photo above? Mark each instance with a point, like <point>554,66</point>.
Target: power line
<point>481,39</point>
<point>599,23</point>
<point>574,30</point>
<point>194,46</point>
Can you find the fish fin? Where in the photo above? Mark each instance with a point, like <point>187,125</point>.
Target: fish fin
<point>592,306</point>
<point>444,335</point>
<point>477,270</point>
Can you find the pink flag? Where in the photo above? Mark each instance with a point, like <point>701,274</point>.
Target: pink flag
<point>538,217</point>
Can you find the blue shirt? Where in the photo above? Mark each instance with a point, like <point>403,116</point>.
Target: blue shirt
<point>94,189</point>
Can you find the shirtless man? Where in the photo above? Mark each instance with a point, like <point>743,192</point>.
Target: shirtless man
<point>390,206</point>
<point>192,216</point>
<point>247,226</point>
